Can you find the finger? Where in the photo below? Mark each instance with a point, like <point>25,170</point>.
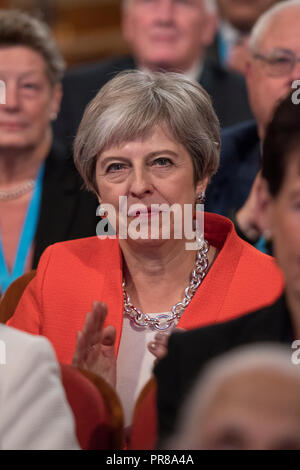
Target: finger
<point>109,336</point>
<point>158,350</point>
<point>94,323</point>
<point>98,317</point>
<point>161,339</point>
<point>78,351</point>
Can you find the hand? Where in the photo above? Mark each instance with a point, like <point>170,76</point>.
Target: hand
<point>95,345</point>
<point>249,217</point>
<point>159,346</point>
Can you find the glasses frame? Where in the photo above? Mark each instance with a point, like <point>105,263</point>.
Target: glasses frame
<point>285,52</point>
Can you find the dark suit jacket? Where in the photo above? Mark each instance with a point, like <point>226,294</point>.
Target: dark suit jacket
<point>239,164</point>
<point>190,351</point>
<point>227,90</point>
<point>67,211</point>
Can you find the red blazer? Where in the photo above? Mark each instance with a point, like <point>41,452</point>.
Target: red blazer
<point>72,274</point>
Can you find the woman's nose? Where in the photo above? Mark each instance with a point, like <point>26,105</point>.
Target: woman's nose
<point>11,97</point>
<point>140,184</point>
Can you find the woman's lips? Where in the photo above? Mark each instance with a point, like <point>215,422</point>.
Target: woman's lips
<point>144,212</point>
<point>14,126</point>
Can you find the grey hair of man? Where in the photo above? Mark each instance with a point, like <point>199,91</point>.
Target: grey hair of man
<point>263,357</point>
<point>210,5</point>
<point>132,104</point>
<point>264,22</point>
<point>20,29</point>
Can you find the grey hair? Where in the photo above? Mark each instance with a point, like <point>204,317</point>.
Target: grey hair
<point>255,357</point>
<point>20,29</point>
<point>130,105</point>
<point>264,21</point>
<point>210,5</point>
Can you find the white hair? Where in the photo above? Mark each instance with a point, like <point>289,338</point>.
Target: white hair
<point>255,357</point>
<point>210,5</point>
<point>264,21</point>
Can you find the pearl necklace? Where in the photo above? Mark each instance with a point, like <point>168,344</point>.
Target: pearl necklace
<point>18,191</point>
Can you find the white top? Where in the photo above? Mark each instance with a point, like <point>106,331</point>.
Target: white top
<point>134,363</point>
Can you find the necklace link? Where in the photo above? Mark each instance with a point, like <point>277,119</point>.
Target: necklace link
<point>163,321</point>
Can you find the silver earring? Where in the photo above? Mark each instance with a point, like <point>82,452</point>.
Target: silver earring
<point>200,198</point>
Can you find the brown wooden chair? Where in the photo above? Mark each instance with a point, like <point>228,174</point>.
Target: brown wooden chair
<point>144,424</point>
<point>114,407</point>
<point>96,408</point>
<point>10,299</point>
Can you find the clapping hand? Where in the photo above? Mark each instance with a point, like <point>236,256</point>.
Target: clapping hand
<point>95,345</point>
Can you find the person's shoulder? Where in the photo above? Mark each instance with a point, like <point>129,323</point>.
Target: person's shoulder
<point>16,346</point>
<point>243,134</point>
<point>257,260</point>
<point>240,131</point>
<point>227,334</point>
<point>98,70</point>
<point>224,74</point>
<point>238,142</point>
<point>86,245</point>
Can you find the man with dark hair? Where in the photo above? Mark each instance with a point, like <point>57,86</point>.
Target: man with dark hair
<point>188,352</point>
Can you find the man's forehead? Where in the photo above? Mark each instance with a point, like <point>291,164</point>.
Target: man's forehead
<point>283,30</point>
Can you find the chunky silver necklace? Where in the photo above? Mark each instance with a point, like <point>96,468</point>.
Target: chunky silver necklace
<point>18,191</point>
<point>164,321</point>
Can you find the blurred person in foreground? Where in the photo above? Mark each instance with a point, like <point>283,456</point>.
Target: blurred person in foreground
<point>169,35</point>
<point>237,17</point>
<point>279,203</point>
<point>248,399</point>
<point>35,414</point>
<point>271,71</point>
<point>151,139</point>
<point>41,201</point>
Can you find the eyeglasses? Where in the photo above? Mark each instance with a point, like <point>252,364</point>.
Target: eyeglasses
<point>279,62</point>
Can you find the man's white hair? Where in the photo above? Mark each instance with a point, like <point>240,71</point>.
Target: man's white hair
<point>264,21</point>
<point>255,357</point>
<point>211,5</point>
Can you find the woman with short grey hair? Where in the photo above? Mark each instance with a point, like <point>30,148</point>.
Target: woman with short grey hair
<point>147,146</point>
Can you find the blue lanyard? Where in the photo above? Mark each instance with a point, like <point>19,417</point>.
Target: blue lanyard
<point>261,245</point>
<point>223,50</point>
<point>26,239</point>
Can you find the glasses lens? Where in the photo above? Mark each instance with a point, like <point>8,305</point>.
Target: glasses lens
<point>280,63</point>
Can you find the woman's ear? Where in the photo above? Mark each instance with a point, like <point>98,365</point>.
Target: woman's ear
<point>202,185</point>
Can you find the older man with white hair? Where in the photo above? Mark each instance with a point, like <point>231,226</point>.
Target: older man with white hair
<point>248,399</point>
<point>271,70</point>
<point>163,35</point>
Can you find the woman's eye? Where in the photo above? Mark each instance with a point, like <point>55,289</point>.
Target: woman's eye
<point>30,86</point>
<point>162,162</point>
<point>115,167</point>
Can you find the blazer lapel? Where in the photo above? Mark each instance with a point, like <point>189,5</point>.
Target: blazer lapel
<point>58,205</point>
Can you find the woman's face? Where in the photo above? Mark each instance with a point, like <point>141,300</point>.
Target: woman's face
<point>283,213</point>
<point>153,170</point>
<point>31,101</point>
